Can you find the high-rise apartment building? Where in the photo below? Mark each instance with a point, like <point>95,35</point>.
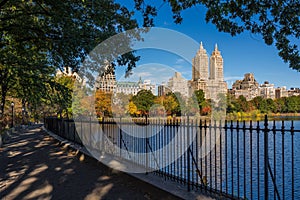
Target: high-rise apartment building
<point>248,87</point>
<point>178,84</point>
<point>213,84</point>
<point>200,65</point>
<point>106,81</point>
<point>216,65</point>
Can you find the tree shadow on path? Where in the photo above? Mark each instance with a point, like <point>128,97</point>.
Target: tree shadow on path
<point>36,166</point>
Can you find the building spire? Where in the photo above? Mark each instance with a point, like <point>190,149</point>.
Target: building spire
<point>216,47</point>
<point>140,80</point>
<point>201,45</point>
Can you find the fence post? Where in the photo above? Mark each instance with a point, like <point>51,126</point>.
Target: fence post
<point>74,131</point>
<point>103,136</point>
<point>146,144</point>
<point>52,124</point>
<point>293,173</point>
<point>90,143</point>
<point>120,137</point>
<point>266,157</point>
<point>81,132</point>
<point>188,155</point>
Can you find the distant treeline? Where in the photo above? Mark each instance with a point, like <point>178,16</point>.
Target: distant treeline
<point>144,103</point>
<point>281,105</point>
<point>174,104</point>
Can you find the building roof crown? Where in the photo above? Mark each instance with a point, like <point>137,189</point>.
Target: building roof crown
<point>201,49</point>
<point>216,51</point>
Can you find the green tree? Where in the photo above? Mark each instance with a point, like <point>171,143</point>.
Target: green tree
<point>81,100</point>
<point>23,73</point>
<point>62,94</point>
<point>244,105</point>
<point>65,30</point>
<point>280,106</point>
<point>54,34</point>
<point>256,102</point>
<point>271,107</point>
<point>264,107</point>
<point>56,99</point>
<point>200,96</point>
<point>292,104</point>
<point>181,106</point>
<point>143,100</point>
<point>231,104</point>
<point>276,21</point>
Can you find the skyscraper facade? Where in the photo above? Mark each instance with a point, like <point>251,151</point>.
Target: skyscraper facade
<point>200,65</point>
<point>216,65</point>
<point>178,84</point>
<point>213,84</point>
<point>106,81</point>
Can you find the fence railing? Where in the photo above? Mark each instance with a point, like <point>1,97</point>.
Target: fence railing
<point>248,160</point>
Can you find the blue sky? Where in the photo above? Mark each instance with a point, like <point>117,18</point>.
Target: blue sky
<point>241,54</point>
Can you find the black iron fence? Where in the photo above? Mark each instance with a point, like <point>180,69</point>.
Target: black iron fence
<point>248,160</point>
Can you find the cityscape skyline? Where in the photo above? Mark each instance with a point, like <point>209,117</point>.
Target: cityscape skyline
<point>265,89</point>
<point>207,75</point>
<point>139,73</point>
<point>184,67</point>
<point>161,73</point>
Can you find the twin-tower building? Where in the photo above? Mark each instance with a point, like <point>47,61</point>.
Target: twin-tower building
<point>207,73</point>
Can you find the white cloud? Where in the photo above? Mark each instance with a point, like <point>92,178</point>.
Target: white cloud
<point>157,73</point>
<point>180,61</point>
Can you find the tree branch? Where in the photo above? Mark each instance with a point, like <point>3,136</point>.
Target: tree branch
<point>2,3</point>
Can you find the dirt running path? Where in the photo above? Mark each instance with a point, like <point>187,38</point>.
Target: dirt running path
<point>35,166</point>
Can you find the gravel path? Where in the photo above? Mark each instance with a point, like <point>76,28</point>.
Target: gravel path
<point>33,165</point>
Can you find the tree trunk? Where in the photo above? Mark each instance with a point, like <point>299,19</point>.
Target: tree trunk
<point>2,105</point>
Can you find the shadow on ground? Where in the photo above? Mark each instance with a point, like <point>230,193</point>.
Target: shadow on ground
<point>36,166</point>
